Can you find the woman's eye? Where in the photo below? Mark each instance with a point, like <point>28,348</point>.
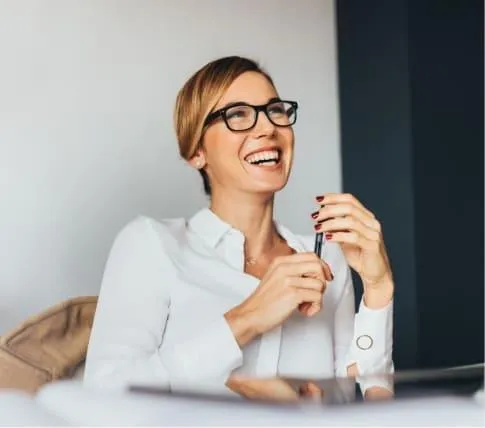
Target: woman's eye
<point>237,113</point>
<point>277,109</point>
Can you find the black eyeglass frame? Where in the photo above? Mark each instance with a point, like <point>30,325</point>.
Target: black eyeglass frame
<point>211,117</point>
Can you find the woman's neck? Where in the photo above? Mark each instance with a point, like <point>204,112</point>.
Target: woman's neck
<point>253,217</point>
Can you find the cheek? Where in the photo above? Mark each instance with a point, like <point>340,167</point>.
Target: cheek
<point>287,137</point>
<point>222,146</point>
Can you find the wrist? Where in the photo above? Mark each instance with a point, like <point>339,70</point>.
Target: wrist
<point>242,325</point>
<point>379,295</point>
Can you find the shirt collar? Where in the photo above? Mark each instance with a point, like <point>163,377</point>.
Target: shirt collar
<point>209,226</point>
<point>212,229</point>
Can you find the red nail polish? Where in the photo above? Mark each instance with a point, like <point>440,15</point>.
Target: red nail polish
<point>315,214</point>
<point>318,226</point>
<point>320,198</point>
<point>328,236</point>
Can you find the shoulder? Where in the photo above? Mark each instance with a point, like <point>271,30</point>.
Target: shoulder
<point>148,227</point>
<point>143,253</point>
<point>145,234</point>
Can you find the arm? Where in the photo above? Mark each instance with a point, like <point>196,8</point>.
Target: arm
<point>132,312</point>
<point>363,340</point>
<point>350,359</point>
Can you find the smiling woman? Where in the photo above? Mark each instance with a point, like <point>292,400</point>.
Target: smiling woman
<point>231,293</point>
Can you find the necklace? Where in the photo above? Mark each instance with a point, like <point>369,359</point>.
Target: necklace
<point>251,261</point>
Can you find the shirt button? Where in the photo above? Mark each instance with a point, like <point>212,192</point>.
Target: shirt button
<point>364,342</point>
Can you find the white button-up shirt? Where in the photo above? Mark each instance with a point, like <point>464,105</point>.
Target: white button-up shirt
<point>160,315</point>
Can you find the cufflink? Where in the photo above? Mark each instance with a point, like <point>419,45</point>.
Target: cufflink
<point>364,342</point>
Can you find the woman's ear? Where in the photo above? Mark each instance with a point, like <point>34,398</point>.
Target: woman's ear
<point>198,160</point>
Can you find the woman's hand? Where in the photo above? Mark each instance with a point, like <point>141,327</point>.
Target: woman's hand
<point>378,393</point>
<point>290,282</point>
<point>311,391</point>
<point>345,220</point>
<point>273,389</point>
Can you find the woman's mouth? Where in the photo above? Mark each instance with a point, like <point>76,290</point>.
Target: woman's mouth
<point>264,158</point>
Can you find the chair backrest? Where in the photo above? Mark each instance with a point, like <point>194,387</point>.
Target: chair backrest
<point>48,346</point>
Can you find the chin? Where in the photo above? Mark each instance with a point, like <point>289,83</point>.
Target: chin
<point>268,188</point>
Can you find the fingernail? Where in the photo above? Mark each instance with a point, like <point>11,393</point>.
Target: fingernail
<point>315,214</point>
<point>328,236</point>
<point>320,198</point>
<point>318,226</point>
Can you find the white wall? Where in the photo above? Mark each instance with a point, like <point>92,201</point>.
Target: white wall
<point>87,89</point>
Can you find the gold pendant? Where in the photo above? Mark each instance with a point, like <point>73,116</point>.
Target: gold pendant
<point>250,261</point>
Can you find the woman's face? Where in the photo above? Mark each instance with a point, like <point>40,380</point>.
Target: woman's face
<point>238,161</point>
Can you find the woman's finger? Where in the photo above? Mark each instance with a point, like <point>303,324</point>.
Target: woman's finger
<point>304,295</point>
<point>307,283</point>
<point>309,294</point>
<point>353,238</point>
<point>346,210</point>
<point>314,268</point>
<point>312,391</point>
<point>327,271</point>
<point>348,224</point>
<point>303,307</point>
<point>293,259</point>
<point>313,309</point>
<point>342,198</point>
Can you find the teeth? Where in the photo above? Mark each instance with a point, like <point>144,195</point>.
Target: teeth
<point>269,155</point>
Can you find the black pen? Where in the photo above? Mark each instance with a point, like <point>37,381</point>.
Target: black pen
<point>318,244</point>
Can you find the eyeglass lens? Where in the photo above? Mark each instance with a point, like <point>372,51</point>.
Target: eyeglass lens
<point>280,113</point>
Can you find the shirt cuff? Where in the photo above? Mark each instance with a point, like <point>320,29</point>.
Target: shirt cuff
<point>206,360</point>
<point>371,347</point>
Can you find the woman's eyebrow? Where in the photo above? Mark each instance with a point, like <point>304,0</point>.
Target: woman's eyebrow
<point>238,103</point>
<point>274,100</point>
<point>232,104</point>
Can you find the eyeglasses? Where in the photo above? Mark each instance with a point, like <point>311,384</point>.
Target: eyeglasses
<point>242,116</point>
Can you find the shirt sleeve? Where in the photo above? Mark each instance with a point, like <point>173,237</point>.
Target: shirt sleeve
<point>363,338</point>
<point>131,316</point>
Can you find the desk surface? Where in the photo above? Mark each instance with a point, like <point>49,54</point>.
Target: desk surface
<point>464,381</point>
<point>424,398</point>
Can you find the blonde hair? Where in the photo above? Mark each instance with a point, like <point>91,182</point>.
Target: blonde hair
<point>200,95</point>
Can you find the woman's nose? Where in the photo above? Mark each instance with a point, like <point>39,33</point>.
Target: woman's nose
<point>263,126</point>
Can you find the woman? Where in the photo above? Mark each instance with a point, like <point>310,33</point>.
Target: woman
<point>231,293</point>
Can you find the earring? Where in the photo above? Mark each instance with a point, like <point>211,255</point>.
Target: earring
<point>198,164</point>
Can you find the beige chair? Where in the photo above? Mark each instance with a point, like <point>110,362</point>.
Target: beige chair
<point>49,346</point>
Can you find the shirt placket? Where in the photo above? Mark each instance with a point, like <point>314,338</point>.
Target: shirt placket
<point>266,364</point>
